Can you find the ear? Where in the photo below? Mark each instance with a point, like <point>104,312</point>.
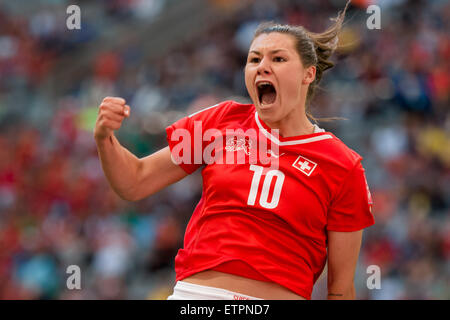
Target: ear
<point>310,75</point>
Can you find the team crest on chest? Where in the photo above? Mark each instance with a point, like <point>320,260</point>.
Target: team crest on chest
<point>304,165</point>
<point>236,144</point>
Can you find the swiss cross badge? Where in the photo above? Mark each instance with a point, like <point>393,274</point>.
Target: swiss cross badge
<point>304,165</point>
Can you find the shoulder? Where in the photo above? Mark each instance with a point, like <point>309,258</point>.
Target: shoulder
<point>338,154</point>
<point>342,167</point>
<point>222,111</point>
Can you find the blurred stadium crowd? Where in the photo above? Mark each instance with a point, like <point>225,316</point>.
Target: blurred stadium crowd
<point>56,208</point>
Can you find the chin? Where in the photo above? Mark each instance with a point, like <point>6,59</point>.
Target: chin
<point>268,112</point>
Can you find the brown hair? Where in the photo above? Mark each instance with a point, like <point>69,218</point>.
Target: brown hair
<point>314,49</point>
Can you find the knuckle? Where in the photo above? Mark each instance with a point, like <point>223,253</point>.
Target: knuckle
<point>114,100</point>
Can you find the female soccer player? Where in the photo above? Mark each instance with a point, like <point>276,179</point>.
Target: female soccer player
<point>259,231</point>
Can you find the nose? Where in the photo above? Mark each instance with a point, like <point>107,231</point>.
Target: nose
<point>264,67</point>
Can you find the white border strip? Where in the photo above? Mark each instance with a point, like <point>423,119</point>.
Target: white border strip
<point>193,114</point>
<point>288,143</point>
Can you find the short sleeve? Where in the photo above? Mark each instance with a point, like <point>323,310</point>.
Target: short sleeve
<point>351,209</point>
<point>185,137</point>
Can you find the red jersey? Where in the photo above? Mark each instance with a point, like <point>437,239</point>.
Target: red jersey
<point>263,222</point>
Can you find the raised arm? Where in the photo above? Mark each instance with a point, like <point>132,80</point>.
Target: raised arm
<point>343,252</point>
<point>130,177</point>
<point>155,172</point>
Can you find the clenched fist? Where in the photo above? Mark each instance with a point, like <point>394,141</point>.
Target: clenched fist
<point>111,113</point>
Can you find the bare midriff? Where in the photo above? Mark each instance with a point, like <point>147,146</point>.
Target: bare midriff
<point>250,287</point>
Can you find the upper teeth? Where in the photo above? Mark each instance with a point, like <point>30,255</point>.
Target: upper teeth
<point>264,84</point>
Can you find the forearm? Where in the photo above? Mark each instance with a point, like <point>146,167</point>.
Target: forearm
<point>119,165</point>
<point>343,251</point>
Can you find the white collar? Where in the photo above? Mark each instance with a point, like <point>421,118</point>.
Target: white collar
<point>275,139</point>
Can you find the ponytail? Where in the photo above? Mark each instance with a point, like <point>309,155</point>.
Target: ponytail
<point>325,44</point>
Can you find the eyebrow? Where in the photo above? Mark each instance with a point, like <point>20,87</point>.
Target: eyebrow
<point>272,51</point>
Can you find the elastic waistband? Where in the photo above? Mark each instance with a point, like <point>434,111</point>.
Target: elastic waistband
<point>191,291</point>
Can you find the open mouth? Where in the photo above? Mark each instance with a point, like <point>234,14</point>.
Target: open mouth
<point>266,93</point>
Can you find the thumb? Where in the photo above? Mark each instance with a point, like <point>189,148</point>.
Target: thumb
<point>126,111</point>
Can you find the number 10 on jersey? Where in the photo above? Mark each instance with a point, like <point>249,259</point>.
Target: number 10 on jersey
<point>265,191</point>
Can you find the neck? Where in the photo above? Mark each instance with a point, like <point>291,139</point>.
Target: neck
<point>294,124</point>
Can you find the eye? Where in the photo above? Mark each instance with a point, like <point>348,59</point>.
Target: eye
<point>254,60</point>
<point>279,59</point>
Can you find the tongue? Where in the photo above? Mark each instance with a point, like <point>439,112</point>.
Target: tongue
<point>268,98</point>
